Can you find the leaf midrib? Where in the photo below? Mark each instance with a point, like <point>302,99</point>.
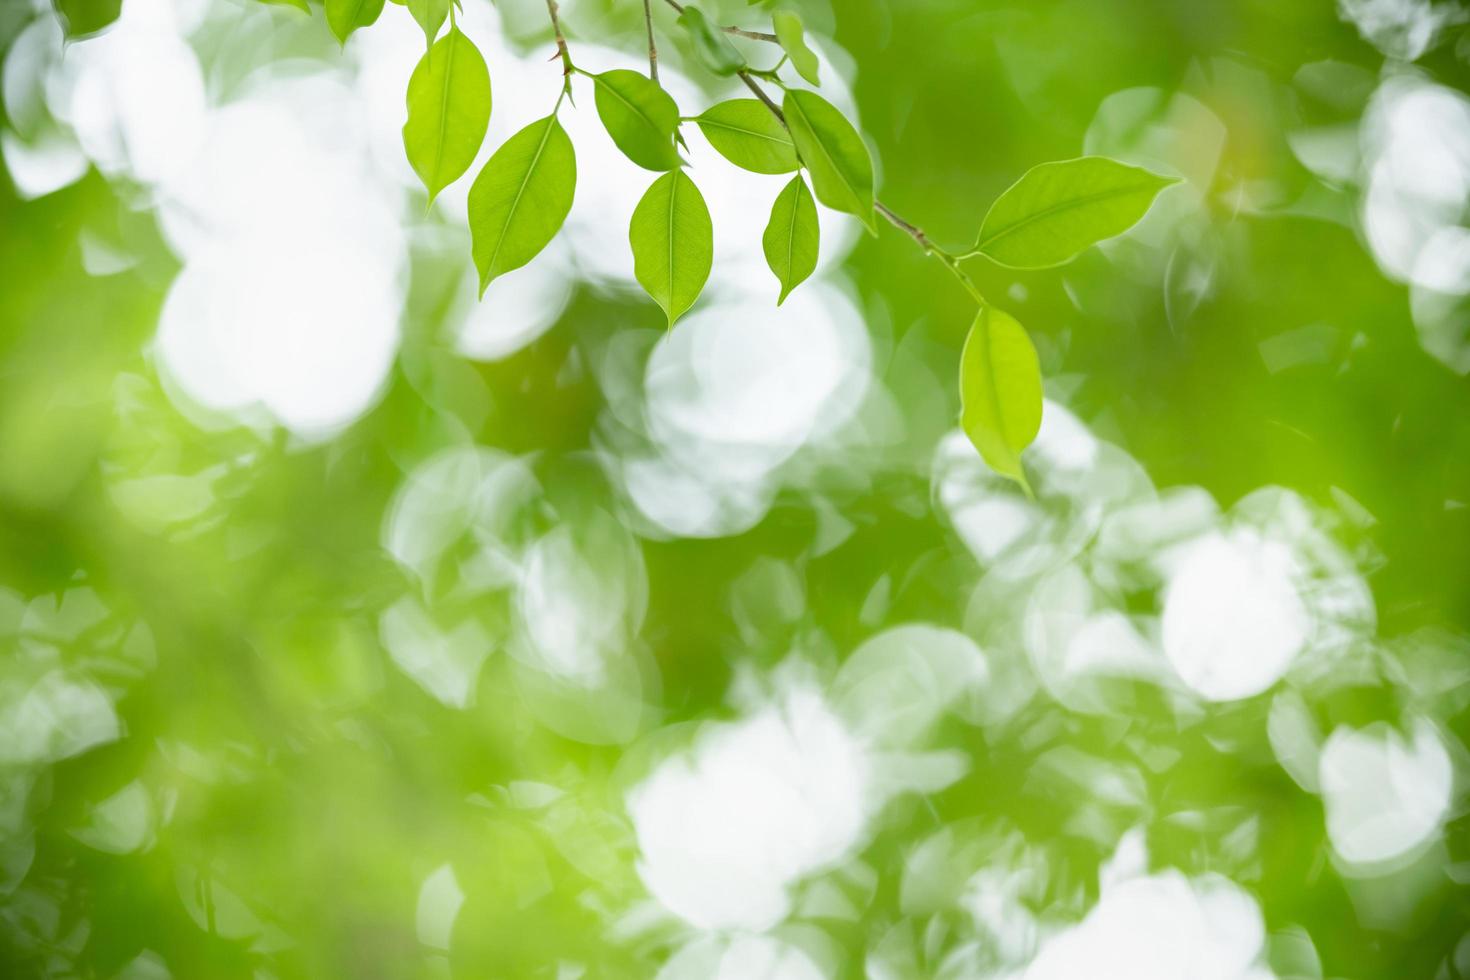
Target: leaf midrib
<point>608,86</point>
<point>993,389</point>
<point>796,188</point>
<point>355,21</point>
<point>520,191</point>
<point>443,105</point>
<point>991,396</point>
<point>780,140</point>
<point>817,139</point>
<point>673,197</point>
<point>1047,212</point>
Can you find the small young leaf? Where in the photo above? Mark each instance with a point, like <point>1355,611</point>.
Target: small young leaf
<point>519,201</point>
<point>834,153</point>
<point>430,15</point>
<point>793,42</point>
<point>448,111</point>
<point>1000,392</point>
<point>790,241</point>
<point>639,116</point>
<point>745,132</point>
<point>673,243</point>
<point>346,16</point>
<point>710,43</point>
<point>1058,209</point>
<point>83,17</point>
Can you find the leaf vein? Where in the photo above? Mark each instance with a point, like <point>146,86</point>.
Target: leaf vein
<point>520,191</point>
<point>1047,212</point>
<point>443,108</point>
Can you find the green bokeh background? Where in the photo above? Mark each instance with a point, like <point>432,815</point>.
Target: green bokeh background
<point>327,784</point>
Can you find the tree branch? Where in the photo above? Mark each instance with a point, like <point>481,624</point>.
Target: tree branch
<point>737,31</point>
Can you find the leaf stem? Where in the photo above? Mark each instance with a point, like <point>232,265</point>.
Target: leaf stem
<point>736,31</point>
<point>652,48</point>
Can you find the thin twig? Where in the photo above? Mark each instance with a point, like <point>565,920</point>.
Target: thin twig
<point>913,231</point>
<point>948,260</point>
<point>752,35</point>
<point>652,48</point>
<point>561,43</point>
<point>760,93</point>
<point>737,31</point>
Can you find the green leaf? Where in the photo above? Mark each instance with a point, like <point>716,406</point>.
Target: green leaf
<point>793,42</point>
<point>834,154</point>
<point>1000,392</point>
<point>745,132</point>
<point>84,17</point>
<point>1058,209</point>
<point>710,43</point>
<point>346,16</point>
<point>639,116</point>
<point>430,14</point>
<point>301,5</point>
<point>673,243</point>
<point>519,201</point>
<point>791,237</point>
<point>448,111</point>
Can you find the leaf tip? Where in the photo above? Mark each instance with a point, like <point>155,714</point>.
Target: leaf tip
<point>1020,478</point>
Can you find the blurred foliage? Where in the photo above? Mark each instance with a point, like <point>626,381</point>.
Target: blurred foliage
<point>225,588</point>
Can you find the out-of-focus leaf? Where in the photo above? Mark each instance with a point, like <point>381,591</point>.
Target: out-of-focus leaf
<point>745,132</point>
<point>834,154</point>
<point>1058,209</point>
<point>346,16</point>
<point>1000,391</point>
<point>673,243</point>
<point>791,237</point>
<point>83,17</point>
<point>520,199</point>
<point>639,116</point>
<point>793,42</point>
<point>448,111</point>
<point>430,14</point>
<point>710,43</point>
